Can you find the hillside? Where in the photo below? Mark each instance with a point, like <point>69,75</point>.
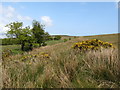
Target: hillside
<point>58,65</point>
<point>112,38</point>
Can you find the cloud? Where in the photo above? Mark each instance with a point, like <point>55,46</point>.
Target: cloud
<point>46,20</point>
<point>22,18</point>
<point>9,14</point>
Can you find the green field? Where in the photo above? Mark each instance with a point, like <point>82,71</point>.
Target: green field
<point>16,48</point>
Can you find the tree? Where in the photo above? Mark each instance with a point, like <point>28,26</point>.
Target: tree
<point>38,31</point>
<point>24,35</point>
<point>14,29</point>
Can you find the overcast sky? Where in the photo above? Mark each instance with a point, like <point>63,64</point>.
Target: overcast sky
<point>64,18</point>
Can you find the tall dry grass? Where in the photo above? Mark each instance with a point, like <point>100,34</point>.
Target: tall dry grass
<point>65,68</point>
<point>104,66</point>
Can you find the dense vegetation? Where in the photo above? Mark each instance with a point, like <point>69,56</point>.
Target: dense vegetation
<point>9,41</point>
<point>26,37</point>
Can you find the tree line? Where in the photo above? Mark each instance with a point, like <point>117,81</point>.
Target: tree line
<point>27,37</point>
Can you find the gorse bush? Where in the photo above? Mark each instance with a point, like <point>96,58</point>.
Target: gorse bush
<point>93,44</point>
<point>6,53</point>
<point>31,57</point>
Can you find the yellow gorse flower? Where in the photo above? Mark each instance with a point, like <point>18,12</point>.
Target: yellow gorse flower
<point>93,44</point>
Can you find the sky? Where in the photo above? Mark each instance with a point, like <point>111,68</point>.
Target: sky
<point>63,18</point>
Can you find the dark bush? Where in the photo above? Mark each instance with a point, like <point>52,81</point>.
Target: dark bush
<point>65,40</point>
<point>28,47</point>
<point>57,37</point>
<point>69,38</point>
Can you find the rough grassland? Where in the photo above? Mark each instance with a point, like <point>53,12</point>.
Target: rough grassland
<point>59,66</point>
<point>111,38</point>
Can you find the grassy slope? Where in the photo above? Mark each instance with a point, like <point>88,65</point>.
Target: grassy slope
<point>63,67</point>
<point>111,38</point>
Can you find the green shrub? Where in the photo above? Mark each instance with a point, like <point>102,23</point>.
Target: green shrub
<point>57,37</point>
<point>65,40</point>
<point>50,38</point>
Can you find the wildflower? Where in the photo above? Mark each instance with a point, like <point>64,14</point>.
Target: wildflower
<point>44,55</point>
<point>93,44</point>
